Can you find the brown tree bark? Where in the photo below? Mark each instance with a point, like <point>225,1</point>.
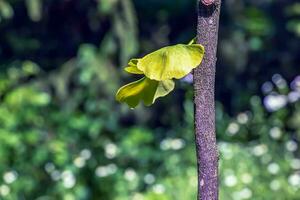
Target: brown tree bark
<point>204,100</point>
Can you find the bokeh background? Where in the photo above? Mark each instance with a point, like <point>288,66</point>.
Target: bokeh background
<point>63,135</point>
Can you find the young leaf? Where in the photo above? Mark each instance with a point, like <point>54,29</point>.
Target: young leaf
<point>132,67</point>
<point>171,62</point>
<point>145,90</point>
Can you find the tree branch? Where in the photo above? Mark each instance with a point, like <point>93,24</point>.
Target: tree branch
<point>204,81</point>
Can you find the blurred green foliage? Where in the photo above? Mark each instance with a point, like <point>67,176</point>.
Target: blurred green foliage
<point>63,136</point>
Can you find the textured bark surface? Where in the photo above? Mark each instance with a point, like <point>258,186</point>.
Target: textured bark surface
<point>204,99</point>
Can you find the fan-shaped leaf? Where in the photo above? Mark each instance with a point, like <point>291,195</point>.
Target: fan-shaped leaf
<point>171,62</point>
<point>145,90</point>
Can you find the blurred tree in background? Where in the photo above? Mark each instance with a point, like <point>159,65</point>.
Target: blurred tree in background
<point>63,136</point>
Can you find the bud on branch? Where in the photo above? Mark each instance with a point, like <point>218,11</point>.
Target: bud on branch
<point>207,2</point>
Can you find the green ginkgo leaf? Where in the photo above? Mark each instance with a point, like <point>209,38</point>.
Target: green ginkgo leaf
<point>144,90</point>
<point>171,62</point>
<point>132,67</point>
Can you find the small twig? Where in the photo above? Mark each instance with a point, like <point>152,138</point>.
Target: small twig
<point>204,99</point>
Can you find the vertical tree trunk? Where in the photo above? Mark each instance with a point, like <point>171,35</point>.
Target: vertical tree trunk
<point>204,86</point>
